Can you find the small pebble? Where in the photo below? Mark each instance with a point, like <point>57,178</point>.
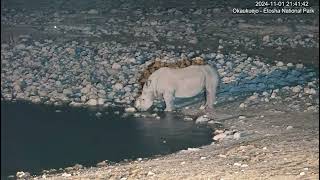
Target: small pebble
<point>222,156</point>
<point>236,135</point>
<point>237,164</point>
<point>130,109</point>
<point>289,127</point>
<point>187,119</point>
<point>242,105</point>
<point>98,114</point>
<point>244,165</point>
<point>219,137</point>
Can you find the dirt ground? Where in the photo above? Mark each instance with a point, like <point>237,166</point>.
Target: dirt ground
<point>275,143</point>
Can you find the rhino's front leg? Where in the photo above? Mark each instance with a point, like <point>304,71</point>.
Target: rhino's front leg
<point>169,99</point>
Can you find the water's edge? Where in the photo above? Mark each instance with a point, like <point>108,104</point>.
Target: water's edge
<point>45,136</point>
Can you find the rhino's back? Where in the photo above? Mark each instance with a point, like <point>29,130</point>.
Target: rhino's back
<point>187,82</point>
<point>190,71</point>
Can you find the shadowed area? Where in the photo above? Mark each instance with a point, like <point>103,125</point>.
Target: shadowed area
<point>39,137</point>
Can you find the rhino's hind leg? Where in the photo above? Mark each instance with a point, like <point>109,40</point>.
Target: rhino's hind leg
<point>209,100</point>
<point>169,99</point>
<point>211,96</point>
<point>211,88</point>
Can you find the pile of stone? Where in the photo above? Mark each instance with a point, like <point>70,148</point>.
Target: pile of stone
<point>158,63</point>
<point>81,71</point>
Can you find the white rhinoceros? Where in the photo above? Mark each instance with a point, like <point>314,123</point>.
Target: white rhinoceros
<point>181,83</point>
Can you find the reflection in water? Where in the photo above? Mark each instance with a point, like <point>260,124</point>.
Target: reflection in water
<point>36,137</point>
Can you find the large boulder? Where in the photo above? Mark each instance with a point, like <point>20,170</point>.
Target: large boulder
<point>92,102</point>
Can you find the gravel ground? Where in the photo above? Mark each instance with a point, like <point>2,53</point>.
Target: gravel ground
<point>99,61</point>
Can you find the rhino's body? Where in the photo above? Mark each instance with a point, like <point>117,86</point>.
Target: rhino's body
<point>182,83</point>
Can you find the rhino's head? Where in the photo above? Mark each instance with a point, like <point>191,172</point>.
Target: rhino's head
<point>145,100</point>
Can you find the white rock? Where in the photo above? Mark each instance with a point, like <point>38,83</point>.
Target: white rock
<point>202,158</point>
<point>253,97</point>
<point>98,114</point>
<point>118,86</point>
<point>289,127</point>
<point>20,174</point>
<point>302,174</point>
<point>20,46</point>
<point>219,56</point>
<point>266,38</point>
<point>237,164</point>
<point>192,149</point>
<point>83,98</point>
<point>36,99</point>
<point>116,66</point>
<point>187,119</point>
<point>67,91</point>
<point>137,115</point>
<point>310,91</point>
<point>85,90</point>
<point>237,135</point>
<point>297,89</point>
<point>218,131</point>
<point>66,175</point>
<point>221,61</point>
<point>280,64</point>
<point>130,109</point>
<point>244,165</point>
<point>100,101</point>
<point>202,107</point>
<point>202,119</point>
<point>75,104</point>
<point>93,11</point>
<point>91,102</point>
<point>193,41</point>
<point>219,137</point>
<point>150,173</point>
<point>222,156</point>
<point>289,65</point>
<point>242,105</point>
<point>242,117</point>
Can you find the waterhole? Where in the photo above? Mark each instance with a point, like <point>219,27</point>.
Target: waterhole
<point>36,137</point>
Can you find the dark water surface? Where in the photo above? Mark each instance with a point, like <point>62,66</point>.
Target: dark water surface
<point>36,137</point>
